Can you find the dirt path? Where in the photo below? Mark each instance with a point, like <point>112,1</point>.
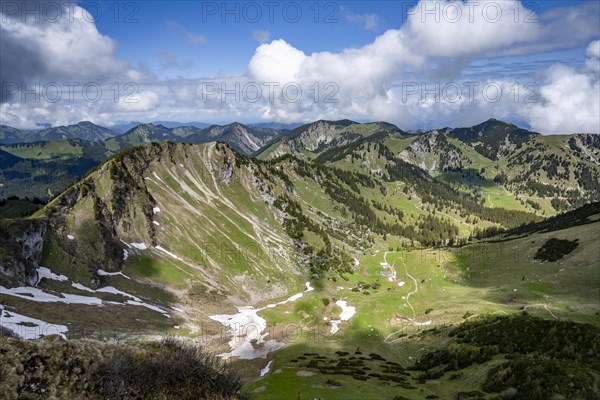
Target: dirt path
<point>542,305</point>
<point>416,289</point>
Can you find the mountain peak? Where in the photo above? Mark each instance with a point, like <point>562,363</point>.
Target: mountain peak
<point>88,124</point>
<point>494,122</point>
<point>342,122</point>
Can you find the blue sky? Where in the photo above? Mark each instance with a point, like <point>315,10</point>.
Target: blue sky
<point>534,63</point>
<point>147,30</point>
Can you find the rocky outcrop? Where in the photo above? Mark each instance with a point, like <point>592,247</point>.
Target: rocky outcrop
<point>316,138</point>
<point>21,244</point>
<point>433,152</point>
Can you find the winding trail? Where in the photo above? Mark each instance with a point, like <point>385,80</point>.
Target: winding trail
<point>542,305</point>
<point>411,293</point>
<point>392,266</point>
<point>416,289</point>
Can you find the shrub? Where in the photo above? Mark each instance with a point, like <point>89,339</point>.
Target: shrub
<point>169,369</point>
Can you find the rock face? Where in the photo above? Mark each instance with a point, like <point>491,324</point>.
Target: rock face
<point>21,244</point>
<point>433,152</point>
<point>587,146</point>
<point>317,137</point>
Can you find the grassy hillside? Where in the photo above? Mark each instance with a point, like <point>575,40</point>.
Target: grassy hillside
<point>318,279</point>
<point>411,326</point>
<point>310,140</point>
<point>47,163</point>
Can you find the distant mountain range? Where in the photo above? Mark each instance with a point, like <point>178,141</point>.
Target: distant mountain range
<point>123,127</point>
<point>539,173</point>
<point>126,126</point>
<point>84,130</point>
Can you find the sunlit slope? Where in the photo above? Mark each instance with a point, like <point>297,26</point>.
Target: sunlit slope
<point>505,166</point>
<point>193,210</point>
<point>400,318</point>
<point>310,140</point>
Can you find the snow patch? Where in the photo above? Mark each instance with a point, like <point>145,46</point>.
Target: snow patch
<point>156,210</point>
<point>81,287</point>
<point>160,248</point>
<point>135,301</point>
<point>34,328</point>
<point>139,246</point>
<point>70,237</point>
<point>246,327</point>
<point>110,289</point>
<point>347,313</point>
<point>44,272</point>
<point>102,272</point>
<point>38,295</point>
<point>156,223</point>
<point>149,306</point>
<point>266,369</point>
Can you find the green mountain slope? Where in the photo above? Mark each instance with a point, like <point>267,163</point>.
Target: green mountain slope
<point>505,166</point>
<point>310,140</point>
<point>45,168</point>
<point>203,220</point>
<point>84,130</point>
<point>190,240</point>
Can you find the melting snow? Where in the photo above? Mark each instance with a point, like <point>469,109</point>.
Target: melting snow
<point>110,289</point>
<point>160,248</point>
<point>102,272</point>
<point>347,313</point>
<point>246,327</point>
<point>266,369</point>
<point>125,254</point>
<point>401,284</point>
<point>136,301</point>
<point>44,272</point>
<point>139,246</point>
<point>149,306</point>
<point>81,287</point>
<point>38,295</point>
<point>156,210</point>
<point>248,341</point>
<point>156,223</point>
<point>15,323</point>
<point>70,237</point>
<point>156,176</point>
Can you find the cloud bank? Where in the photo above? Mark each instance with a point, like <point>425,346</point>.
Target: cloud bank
<point>414,76</point>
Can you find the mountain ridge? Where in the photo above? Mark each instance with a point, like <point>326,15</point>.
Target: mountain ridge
<point>495,154</point>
